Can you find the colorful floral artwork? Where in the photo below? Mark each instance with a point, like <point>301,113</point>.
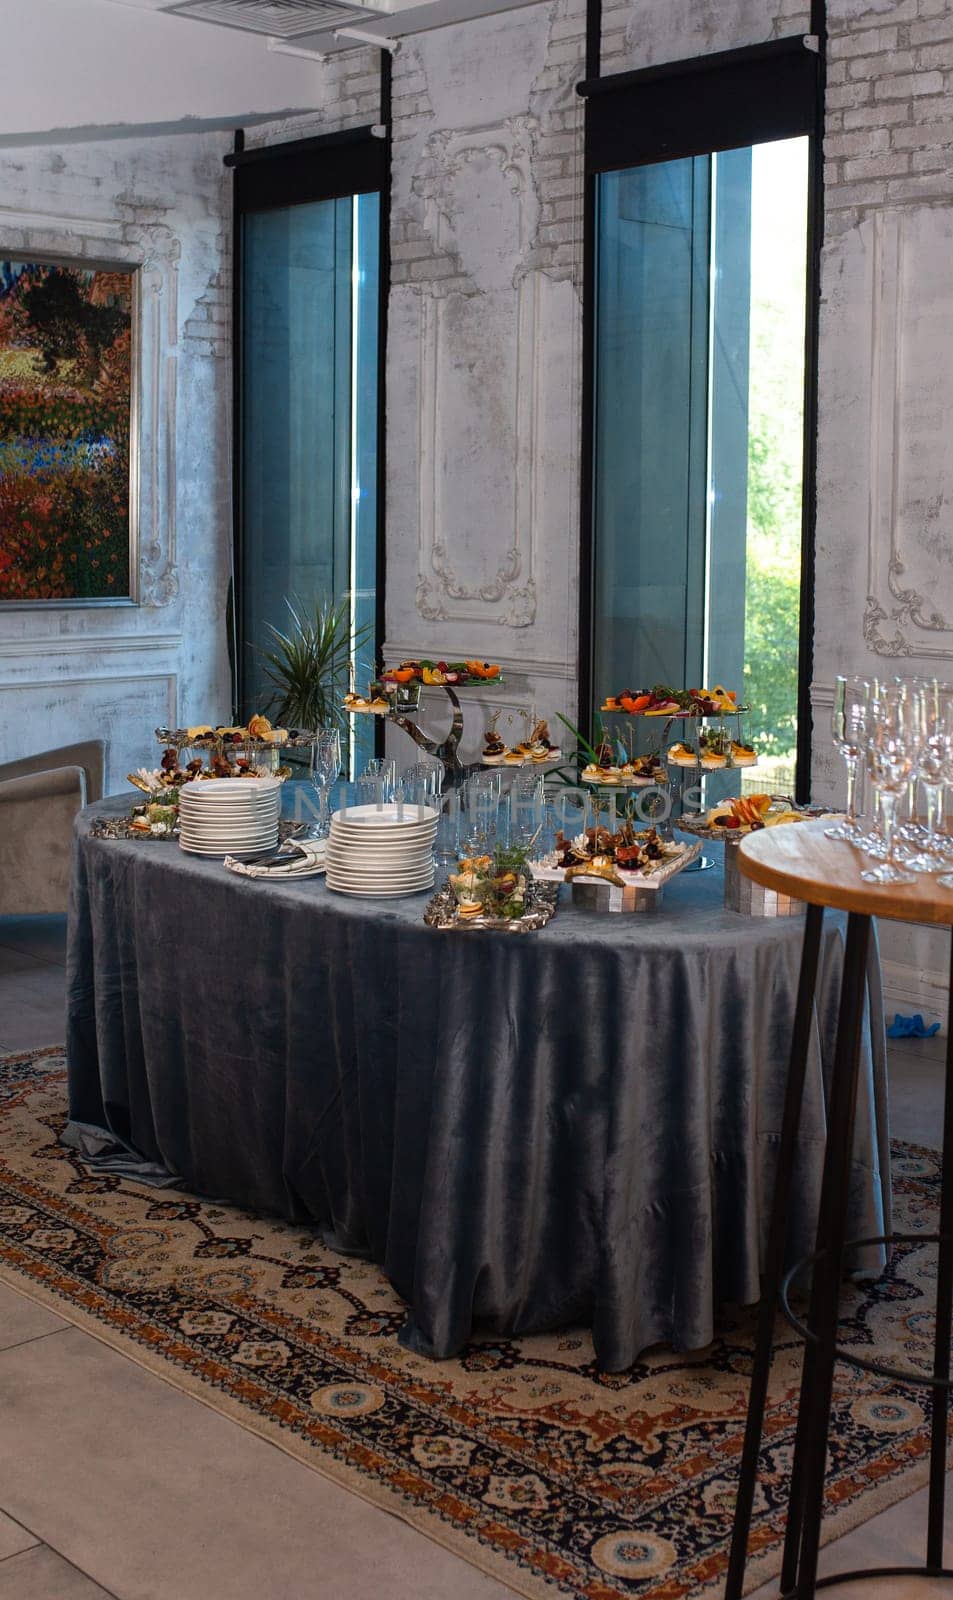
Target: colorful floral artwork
<point>66,356</point>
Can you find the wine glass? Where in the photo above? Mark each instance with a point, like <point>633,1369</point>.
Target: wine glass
<point>933,709</point>
<point>891,743</point>
<point>848,723</point>
<point>325,766</point>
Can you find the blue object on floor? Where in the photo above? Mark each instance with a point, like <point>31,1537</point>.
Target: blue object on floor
<point>911,1028</point>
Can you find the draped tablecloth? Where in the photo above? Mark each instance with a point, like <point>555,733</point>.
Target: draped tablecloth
<point>577,1125</point>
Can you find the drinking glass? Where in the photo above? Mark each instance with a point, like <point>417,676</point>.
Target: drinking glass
<point>423,782</point>
<point>482,793</point>
<point>848,722</point>
<point>380,776</point>
<point>325,766</point>
<point>892,748</point>
<point>526,806</point>
<point>933,707</point>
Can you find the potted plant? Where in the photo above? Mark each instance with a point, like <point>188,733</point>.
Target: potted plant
<point>308,665</point>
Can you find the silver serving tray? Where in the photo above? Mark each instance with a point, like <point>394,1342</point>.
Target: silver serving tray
<point>540,906</point>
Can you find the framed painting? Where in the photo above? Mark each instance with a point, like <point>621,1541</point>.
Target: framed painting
<point>68,432</point>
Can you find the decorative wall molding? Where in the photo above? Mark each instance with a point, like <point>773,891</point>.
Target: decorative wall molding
<point>89,644</point>
<point>107,680</point>
<point>506,593</point>
<point>85,228</point>
<point>910,526</point>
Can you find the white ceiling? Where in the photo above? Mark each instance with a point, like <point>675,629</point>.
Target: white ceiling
<point>94,69</point>
<point>322,27</point>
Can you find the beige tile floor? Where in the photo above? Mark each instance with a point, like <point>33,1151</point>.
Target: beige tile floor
<point>114,1484</point>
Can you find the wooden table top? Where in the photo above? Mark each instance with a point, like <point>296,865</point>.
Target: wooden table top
<point>798,860</point>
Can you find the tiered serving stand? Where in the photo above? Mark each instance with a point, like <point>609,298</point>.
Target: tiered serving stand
<point>404,706</point>
<point>678,773</point>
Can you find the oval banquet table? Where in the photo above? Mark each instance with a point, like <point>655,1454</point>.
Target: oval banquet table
<point>577,1125</point>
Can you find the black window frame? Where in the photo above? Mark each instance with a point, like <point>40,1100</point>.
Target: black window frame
<point>723,101</point>
<point>326,167</point>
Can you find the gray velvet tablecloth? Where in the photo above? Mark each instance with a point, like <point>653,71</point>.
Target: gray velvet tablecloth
<point>573,1126</point>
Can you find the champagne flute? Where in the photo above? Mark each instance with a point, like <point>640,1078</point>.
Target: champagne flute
<point>325,766</point>
<point>848,725</point>
<point>892,750</point>
<point>935,734</point>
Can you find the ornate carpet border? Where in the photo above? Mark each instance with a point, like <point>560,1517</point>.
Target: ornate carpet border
<point>495,1550</point>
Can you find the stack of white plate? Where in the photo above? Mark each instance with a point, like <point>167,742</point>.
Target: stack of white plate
<point>224,815</point>
<point>382,851</point>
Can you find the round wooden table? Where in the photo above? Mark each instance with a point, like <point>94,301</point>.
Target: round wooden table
<point>802,862</point>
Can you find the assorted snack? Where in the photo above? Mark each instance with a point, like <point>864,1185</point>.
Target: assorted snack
<point>452,673</point>
<point>376,700</point>
<point>636,772</point>
<point>716,749</point>
<point>258,731</point>
<point>493,891</point>
<point>619,856</point>
<point>746,815</point>
<point>663,701</point>
<point>537,750</point>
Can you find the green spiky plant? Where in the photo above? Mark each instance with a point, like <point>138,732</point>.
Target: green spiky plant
<point>307,666</point>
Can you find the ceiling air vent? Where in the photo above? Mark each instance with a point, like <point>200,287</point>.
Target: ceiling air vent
<point>280,19</point>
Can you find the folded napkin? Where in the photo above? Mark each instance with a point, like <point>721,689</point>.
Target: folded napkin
<point>308,859</point>
<point>911,1027</point>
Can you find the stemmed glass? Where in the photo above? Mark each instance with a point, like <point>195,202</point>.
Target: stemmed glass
<point>325,766</point>
<point>935,733</point>
<point>848,725</point>
<point>891,743</point>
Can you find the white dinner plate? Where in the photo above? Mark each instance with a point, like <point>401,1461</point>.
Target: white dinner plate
<point>240,836</point>
<point>216,790</point>
<point>222,850</point>
<point>412,870</point>
<point>378,869</point>
<point>377,894</point>
<point>385,816</point>
<point>380,880</point>
<point>360,853</point>
<point>197,808</point>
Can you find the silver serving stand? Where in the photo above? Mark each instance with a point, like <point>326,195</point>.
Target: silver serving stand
<point>679,773</point>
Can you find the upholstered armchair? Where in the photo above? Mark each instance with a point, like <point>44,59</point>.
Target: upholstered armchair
<point>39,797</point>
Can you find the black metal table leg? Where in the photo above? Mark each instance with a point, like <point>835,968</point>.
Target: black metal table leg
<point>777,1237</point>
<point>813,1426</point>
<point>944,1314</point>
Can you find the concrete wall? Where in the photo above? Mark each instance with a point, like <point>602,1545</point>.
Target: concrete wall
<point>885,471</point>
<point>118,671</point>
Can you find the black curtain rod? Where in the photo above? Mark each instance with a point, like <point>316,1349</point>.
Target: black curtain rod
<point>792,44</point>
<point>295,147</point>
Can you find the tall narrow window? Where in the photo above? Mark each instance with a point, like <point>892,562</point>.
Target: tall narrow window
<point>309,311</point>
<point>698,297</point>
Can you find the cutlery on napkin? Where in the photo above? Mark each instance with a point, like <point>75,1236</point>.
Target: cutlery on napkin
<point>303,862</point>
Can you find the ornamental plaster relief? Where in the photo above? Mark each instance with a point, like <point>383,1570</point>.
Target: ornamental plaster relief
<point>479,382</point>
<point>910,516</point>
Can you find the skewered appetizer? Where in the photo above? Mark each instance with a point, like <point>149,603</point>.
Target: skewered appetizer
<point>599,853</point>
<point>636,771</point>
<point>538,748</point>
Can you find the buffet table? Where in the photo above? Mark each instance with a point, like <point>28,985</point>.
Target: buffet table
<point>577,1125</point>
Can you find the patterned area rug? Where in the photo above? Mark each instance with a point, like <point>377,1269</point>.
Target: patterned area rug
<point>519,1455</point>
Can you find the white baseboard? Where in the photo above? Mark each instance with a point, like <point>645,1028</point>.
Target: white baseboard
<point>911,989</point>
